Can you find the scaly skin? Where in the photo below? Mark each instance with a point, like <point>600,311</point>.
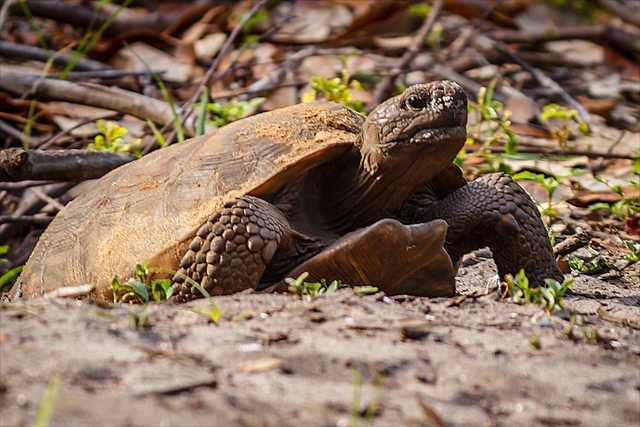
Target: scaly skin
<point>495,211</point>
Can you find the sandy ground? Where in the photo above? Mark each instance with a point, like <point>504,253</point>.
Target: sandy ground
<point>276,360</point>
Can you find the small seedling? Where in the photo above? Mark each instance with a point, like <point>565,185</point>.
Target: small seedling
<point>595,264</point>
<point>7,277</point>
<point>550,184</point>
<point>590,337</point>
<point>222,114</point>
<point>549,296</point>
<point>365,290</point>
<point>247,37</point>
<point>492,122</point>
<point>140,318</point>
<point>627,207</point>
<point>309,291</point>
<point>634,247</point>
<point>213,312</point>
<point>48,401</point>
<point>335,90</point>
<point>535,342</point>
<point>110,138</point>
<point>141,285</point>
<point>563,132</point>
<point>354,414</point>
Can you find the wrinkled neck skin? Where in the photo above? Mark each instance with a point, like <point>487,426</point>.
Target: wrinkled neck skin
<point>385,178</point>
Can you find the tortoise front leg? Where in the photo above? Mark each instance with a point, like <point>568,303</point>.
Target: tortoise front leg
<point>495,211</point>
<point>232,248</point>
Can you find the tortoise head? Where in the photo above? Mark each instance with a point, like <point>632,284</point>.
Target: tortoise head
<point>418,132</point>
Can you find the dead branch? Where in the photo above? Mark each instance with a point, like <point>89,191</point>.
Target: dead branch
<point>123,101</point>
<point>17,186</point>
<point>80,16</point>
<point>26,220</point>
<point>572,243</point>
<point>17,164</point>
<point>31,204</point>
<point>623,40</point>
<point>548,83</point>
<point>15,50</point>
<point>559,152</point>
<point>385,85</point>
<point>622,12</point>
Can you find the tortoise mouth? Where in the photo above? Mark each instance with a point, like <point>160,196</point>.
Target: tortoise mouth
<point>437,135</point>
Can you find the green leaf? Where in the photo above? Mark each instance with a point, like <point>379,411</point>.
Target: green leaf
<point>139,289</point>
<point>10,276</point>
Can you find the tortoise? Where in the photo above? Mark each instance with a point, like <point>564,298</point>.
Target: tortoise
<point>313,187</point>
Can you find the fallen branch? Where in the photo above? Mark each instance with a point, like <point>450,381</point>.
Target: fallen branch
<point>15,50</point>
<point>560,152</point>
<point>26,219</point>
<point>17,164</point>
<point>572,243</point>
<point>123,101</point>
<point>384,86</point>
<point>622,12</point>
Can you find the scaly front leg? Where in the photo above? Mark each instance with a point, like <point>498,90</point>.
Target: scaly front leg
<point>495,211</point>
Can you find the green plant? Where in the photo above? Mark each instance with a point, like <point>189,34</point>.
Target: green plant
<point>177,122</point>
<point>595,264</point>
<point>365,290</point>
<point>140,318</point>
<point>354,413</point>
<point>626,207</point>
<point>492,122</point>
<point>110,138</point>
<point>247,37</point>
<point>562,132</point>
<point>48,401</point>
<point>535,342</point>
<point>141,285</point>
<point>634,247</point>
<point>214,311</point>
<point>591,338</point>
<point>231,111</point>
<point>550,184</point>
<point>88,41</point>
<point>307,290</point>
<point>549,296</point>
<point>8,276</point>
<point>335,90</point>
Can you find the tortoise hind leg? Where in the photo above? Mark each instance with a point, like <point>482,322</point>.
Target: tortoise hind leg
<point>231,249</point>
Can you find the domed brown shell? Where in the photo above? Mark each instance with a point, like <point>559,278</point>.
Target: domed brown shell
<point>148,210</point>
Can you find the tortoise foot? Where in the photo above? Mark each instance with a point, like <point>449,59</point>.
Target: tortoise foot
<point>231,249</point>
<point>495,211</point>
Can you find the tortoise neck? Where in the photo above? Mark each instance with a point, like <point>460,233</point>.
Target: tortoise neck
<point>359,195</point>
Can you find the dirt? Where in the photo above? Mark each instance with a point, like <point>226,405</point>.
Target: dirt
<point>276,360</point>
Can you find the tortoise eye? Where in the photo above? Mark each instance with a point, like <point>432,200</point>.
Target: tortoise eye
<point>415,102</point>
